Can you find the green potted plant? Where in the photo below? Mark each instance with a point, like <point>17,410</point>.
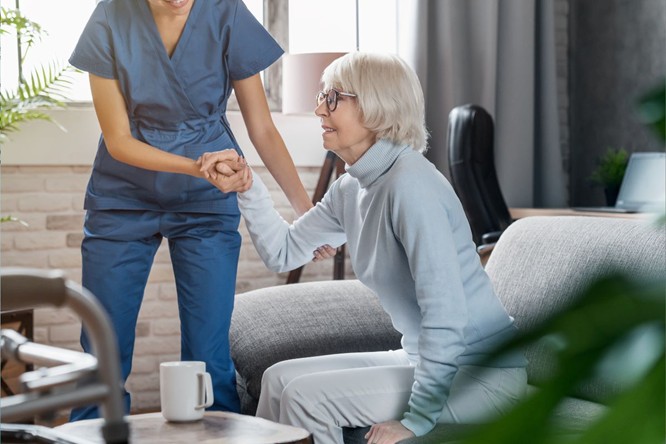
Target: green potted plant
<point>610,171</point>
<point>44,89</point>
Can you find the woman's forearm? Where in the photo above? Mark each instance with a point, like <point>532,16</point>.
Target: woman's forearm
<point>277,159</point>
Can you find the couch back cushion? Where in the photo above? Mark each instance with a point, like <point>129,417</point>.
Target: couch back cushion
<point>540,264</point>
<point>307,319</point>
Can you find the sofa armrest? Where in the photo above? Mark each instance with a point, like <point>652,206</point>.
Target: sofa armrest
<point>298,320</point>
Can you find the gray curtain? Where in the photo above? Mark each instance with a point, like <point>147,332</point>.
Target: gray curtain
<point>500,55</point>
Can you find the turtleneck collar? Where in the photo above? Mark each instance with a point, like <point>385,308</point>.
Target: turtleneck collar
<point>374,162</point>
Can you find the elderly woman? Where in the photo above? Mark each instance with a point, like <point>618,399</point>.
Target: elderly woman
<point>409,242</point>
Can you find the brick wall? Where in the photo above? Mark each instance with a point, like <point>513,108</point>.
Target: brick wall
<point>50,200</point>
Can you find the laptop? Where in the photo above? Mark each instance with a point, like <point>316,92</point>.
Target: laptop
<point>643,188</point>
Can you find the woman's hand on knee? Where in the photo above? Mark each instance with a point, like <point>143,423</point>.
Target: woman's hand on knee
<point>389,432</point>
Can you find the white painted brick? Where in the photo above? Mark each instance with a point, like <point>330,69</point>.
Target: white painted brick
<point>168,357</point>
<point>166,327</point>
<point>32,170</point>
<point>161,273</point>
<point>167,292</point>
<point>74,239</point>
<point>51,316</point>
<point>151,293</point>
<point>157,345</point>
<point>144,364</point>
<point>75,183</point>
<point>145,402</point>
<point>158,309</point>
<point>67,222</point>
<point>40,335</point>
<point>142,383</point>
<point>44,203</point>
<point>9,204</point>
<point>69,345</point>
<point>22,184</point>
<point>6,242</point>
<point>64,333</point>
<point>162,255</point>
<point>32,259</point>
<point>77,202</point>
<point>81,169</point>
<point>142,329</point>
<point>65,259</point>
<point>39,241</point>
<point>74,274</point>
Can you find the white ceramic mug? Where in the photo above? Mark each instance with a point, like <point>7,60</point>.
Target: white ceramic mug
<point>185,390</point>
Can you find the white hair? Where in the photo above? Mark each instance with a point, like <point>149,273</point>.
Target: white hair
<point>389,95</point>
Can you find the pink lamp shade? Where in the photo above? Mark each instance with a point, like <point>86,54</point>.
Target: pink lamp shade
<point>301,80</point>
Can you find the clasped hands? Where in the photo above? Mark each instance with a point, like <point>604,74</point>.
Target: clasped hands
<point>226,169</point>
<point>229,172</point>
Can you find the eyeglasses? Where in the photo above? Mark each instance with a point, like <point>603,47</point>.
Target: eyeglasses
<point>331,98</point>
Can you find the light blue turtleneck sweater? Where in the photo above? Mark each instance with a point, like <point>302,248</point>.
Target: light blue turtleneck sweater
<point>409,241</point>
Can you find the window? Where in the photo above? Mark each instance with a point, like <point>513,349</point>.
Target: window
<point>331,26</point>
<point>56,45</point>
<point>309,30</point>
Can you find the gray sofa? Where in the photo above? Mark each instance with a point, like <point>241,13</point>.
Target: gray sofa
<point>537,267</point>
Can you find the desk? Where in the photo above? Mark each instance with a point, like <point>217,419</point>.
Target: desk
<point>214,428</point>
<point>519,213</point>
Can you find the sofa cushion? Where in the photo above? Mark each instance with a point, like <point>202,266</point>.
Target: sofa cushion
<point>323,318</point>
<point>540,264</point>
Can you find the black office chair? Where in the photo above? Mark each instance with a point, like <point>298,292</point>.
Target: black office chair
<point>473,176</point>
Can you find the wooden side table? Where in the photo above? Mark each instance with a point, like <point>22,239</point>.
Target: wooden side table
<point>214,428</point>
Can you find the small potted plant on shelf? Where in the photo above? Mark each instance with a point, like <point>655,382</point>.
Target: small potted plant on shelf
<point>610,171</point>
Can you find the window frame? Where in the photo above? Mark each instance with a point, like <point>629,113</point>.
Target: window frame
<point>276,22</point>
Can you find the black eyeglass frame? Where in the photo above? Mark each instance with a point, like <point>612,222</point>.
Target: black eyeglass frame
<point>331,99</point>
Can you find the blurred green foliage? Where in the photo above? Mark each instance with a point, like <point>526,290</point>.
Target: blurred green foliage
<point>614,329</point>
<point>652,110</point>
<point>45,88</point>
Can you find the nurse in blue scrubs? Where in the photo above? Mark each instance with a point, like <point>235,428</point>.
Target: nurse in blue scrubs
<point>161,72</point>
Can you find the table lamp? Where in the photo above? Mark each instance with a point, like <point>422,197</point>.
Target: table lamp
<point>301,81</point>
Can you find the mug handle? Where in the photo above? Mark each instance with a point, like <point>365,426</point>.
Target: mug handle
<point>206,394</point>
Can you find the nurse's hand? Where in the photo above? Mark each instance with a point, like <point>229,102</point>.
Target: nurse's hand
<point>227,162</point>
<point>239,182</point>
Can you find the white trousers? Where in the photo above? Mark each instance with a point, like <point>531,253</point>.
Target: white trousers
<point>322,394</point>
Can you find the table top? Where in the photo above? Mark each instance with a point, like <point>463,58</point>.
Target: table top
<point>519,213</point>
<point>214,428</point>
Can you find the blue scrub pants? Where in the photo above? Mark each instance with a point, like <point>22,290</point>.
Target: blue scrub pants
<point>118,251</point>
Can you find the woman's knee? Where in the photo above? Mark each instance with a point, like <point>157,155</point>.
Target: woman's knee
<point>277,376</point>
<point>299,392</point>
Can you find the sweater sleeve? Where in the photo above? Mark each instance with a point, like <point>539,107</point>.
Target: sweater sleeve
<point>428,225</point>
<point>282,246</point>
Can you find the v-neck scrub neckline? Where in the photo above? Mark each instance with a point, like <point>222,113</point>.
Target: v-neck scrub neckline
<point>184,36</point>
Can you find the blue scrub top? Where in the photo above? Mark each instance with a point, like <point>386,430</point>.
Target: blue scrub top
<point>176,104</point>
